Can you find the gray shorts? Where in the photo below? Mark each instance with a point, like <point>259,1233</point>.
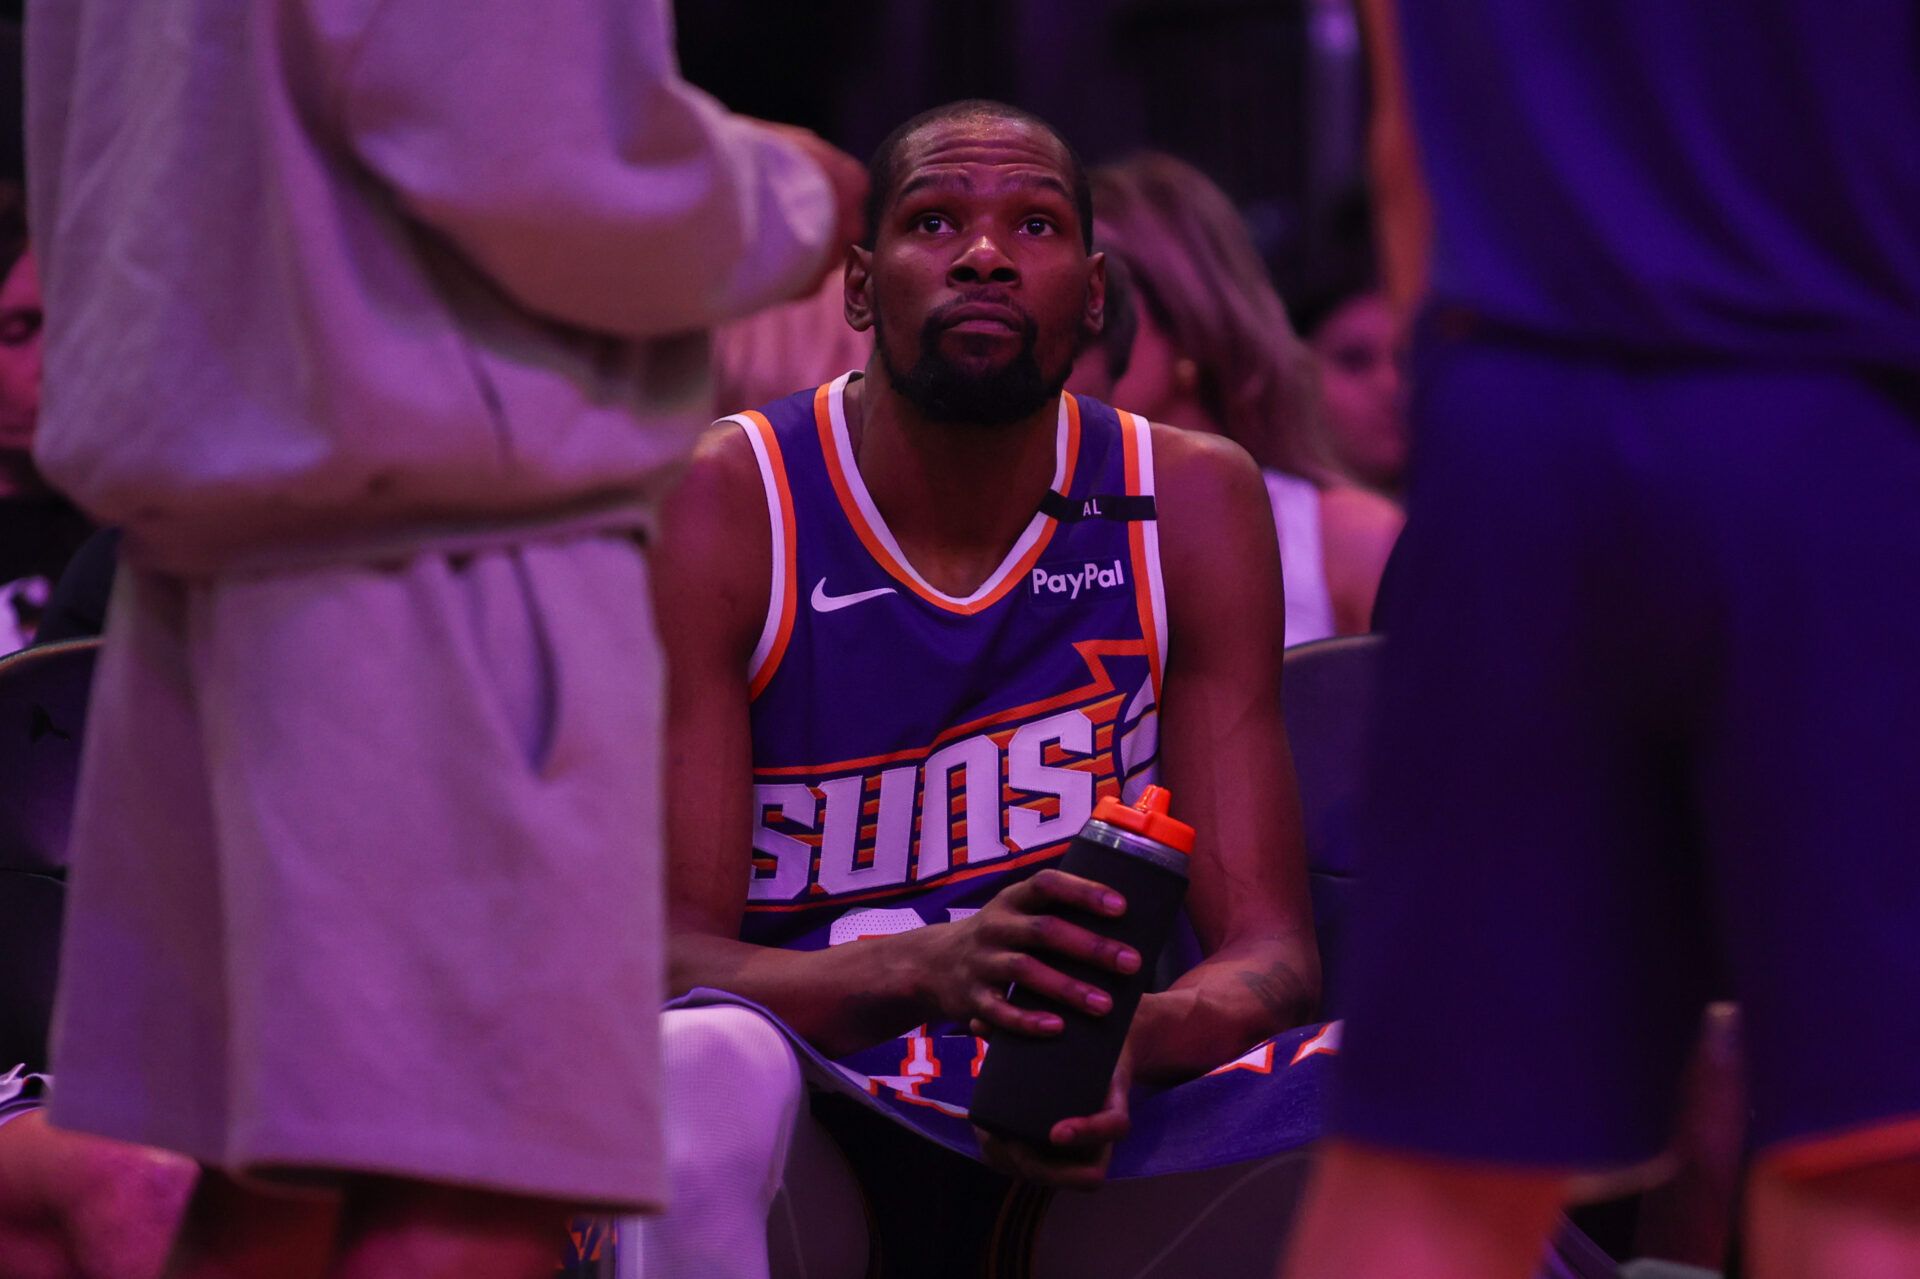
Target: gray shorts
<point>366,874</point>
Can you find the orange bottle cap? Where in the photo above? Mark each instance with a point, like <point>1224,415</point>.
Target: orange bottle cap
<point>1149,817</point>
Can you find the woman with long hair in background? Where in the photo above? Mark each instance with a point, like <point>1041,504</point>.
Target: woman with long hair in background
<point>1216,352</point>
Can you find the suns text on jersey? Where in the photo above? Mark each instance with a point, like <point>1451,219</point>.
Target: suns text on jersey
<point>1017,790</point>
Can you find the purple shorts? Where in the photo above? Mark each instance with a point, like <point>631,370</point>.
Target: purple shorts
<point>1649,734</point>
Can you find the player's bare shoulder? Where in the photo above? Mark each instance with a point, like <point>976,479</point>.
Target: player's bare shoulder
<point>712,557</point>
<point>1207,489</point>
<point>1217,544</point>
<point>1185,457</point>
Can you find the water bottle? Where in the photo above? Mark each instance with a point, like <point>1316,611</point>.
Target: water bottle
<point>1027,1083</point>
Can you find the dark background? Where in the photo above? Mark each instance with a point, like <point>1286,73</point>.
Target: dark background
<point>1266,96</point>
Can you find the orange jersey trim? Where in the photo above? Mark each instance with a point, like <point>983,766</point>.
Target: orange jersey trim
<point>775,472</point>
<point>1009,575</point>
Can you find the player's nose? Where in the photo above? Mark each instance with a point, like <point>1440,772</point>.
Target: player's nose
<point>983,260</point>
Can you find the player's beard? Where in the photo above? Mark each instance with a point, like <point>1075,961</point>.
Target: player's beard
<point>945,391</point>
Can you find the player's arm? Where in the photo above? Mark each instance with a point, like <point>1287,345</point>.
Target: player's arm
<point>1224,755</point>
<point>1403,207</point>
<point>558,148</point>
<point>712,568</point>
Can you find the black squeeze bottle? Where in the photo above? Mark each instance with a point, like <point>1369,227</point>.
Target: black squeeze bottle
<point>1027,1084</point>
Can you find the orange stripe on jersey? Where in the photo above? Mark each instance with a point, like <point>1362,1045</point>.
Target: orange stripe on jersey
<point>1130,428</point>
<point>789,568</point>
<point>877,547</point>
<point>829,449</point>
<point>1091,651</point>
<point>1840,1152</point>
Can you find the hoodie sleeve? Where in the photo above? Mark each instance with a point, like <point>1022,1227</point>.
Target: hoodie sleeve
<point>555,144</point>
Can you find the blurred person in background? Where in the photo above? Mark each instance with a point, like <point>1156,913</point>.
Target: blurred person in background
<point>39,529</point>
<point>1356,342</point>
<point>380,331</point>
<point>21,318</point>
<point>761,357</point>
<point>1215,352</point>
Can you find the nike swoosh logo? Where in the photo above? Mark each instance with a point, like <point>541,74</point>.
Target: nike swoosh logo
<point>825,603</point>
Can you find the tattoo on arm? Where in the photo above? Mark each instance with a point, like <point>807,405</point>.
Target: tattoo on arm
<point>1279,990</point>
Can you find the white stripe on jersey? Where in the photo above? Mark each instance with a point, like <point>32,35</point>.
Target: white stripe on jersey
<point>776,520</point>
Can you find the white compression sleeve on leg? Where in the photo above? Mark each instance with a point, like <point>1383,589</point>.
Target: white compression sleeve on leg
<point>731,1093</point>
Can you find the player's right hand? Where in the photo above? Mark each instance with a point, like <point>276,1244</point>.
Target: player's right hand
<point>968,966</point>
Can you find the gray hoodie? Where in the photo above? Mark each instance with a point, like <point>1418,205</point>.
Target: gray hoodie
<point>341,280</point>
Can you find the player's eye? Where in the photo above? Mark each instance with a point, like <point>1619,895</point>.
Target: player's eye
<point>932,223</point>
<point>1037,226</point>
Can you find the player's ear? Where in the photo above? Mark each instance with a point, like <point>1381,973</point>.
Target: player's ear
<point>859,292</point>
<point>1094,318</point>
<point>1186,377</point>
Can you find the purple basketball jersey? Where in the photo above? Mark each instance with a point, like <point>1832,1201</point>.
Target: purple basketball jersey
<point>915,753</point>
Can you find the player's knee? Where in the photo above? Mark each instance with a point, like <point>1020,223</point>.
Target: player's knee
<point>732,1093</point>
<point>726,1051</point>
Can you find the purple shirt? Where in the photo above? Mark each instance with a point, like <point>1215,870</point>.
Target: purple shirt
<point>1704,180</point>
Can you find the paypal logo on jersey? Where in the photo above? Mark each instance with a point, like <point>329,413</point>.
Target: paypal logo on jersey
<point>1068,582</point>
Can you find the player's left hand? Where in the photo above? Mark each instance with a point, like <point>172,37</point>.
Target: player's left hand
<point>1077,1156</point>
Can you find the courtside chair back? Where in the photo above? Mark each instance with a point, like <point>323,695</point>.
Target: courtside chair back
<point>1328,698</point>
<point>43,714</point>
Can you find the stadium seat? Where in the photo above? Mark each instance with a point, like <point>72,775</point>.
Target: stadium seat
<point>1329,691</point>
<point>43,712</point>
<point>1328,700</point>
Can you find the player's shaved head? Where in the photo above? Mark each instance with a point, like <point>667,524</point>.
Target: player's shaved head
<point>884,168</point>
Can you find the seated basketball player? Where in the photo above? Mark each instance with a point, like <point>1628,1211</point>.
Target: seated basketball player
<point>903,670</point>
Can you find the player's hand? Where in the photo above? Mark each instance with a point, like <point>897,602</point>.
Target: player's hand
<point>966,967</point>
<point>848,178</point>
<point>1080,1149</point>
